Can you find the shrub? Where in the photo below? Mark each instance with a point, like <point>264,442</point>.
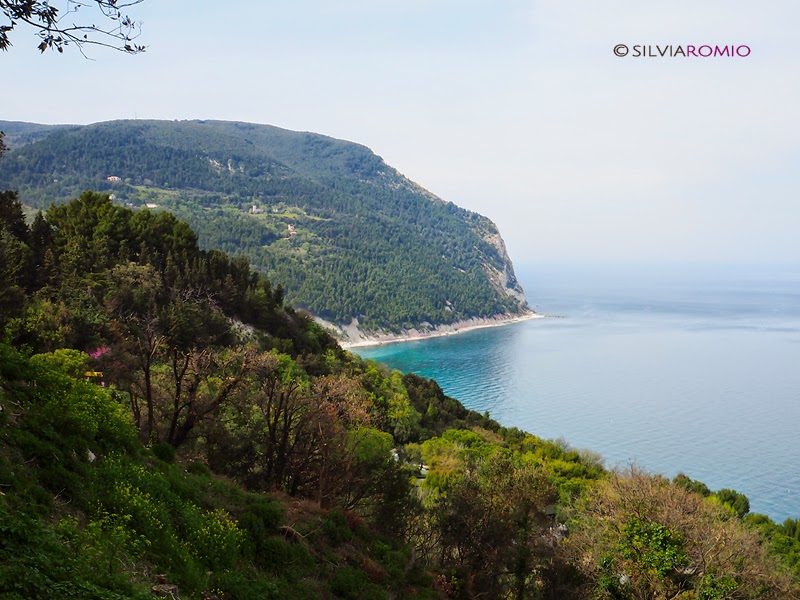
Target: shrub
<point>336,527</point>
<point>198,468</point>
<point>214,537</point>
<point>260,520</point>
<point>289,560</point>
<point>164,452</point>
<point>240,585</point>
<point>355,585</point>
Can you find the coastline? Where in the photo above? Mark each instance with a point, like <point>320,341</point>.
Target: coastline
<point>412,335</point>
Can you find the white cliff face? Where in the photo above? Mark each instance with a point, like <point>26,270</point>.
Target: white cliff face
<point>502,276</point>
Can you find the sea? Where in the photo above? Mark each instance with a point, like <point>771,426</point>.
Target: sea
<point>674,368</point>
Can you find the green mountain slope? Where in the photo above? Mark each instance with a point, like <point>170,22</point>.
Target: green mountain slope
<point>166,420</point>
<point>347,235</point>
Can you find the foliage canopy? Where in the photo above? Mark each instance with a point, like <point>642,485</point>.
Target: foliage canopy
<point>162,410</point>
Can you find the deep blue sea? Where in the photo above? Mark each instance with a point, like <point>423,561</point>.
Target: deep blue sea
<point>678,369</point>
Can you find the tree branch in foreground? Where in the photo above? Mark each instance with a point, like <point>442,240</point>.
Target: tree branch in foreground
<point>57,27</point>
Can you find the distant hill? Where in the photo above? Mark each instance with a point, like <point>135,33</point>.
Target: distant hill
<point>350,239</point>
<point>20,133</point>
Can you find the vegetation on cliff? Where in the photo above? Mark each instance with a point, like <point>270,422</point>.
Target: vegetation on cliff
<point>345,234</point>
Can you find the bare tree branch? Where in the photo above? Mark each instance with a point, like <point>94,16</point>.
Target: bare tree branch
<point>57,28</point>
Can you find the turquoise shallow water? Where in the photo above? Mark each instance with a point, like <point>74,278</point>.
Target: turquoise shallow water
<point>676,369</point>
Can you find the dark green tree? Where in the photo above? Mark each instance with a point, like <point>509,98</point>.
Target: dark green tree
<point>739,503</point>
<point>12,217</point>
<point>15,256</point>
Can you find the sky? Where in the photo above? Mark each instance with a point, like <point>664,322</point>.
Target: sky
<point>519,110</point>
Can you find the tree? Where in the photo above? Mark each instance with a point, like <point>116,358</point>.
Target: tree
<point>15,256</point>
<point>197,383</point>
<point>491,525</point>
<point>738,503</point>
<point>12,216</point>
<point>55,32</point>
<point>267,429</point>
<point>311,436</point>
<point>133,305</point>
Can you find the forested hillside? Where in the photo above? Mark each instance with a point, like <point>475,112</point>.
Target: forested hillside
<point>347,235</point>
<point>169,424</point>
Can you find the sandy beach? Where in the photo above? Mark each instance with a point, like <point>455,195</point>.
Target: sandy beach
<point>356,338</point>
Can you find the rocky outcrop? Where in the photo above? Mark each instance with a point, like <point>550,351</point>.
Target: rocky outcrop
<point>163,589</point>
<point>502,276</point>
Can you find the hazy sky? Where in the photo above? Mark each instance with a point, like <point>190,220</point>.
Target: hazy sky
<point>518,110</point>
